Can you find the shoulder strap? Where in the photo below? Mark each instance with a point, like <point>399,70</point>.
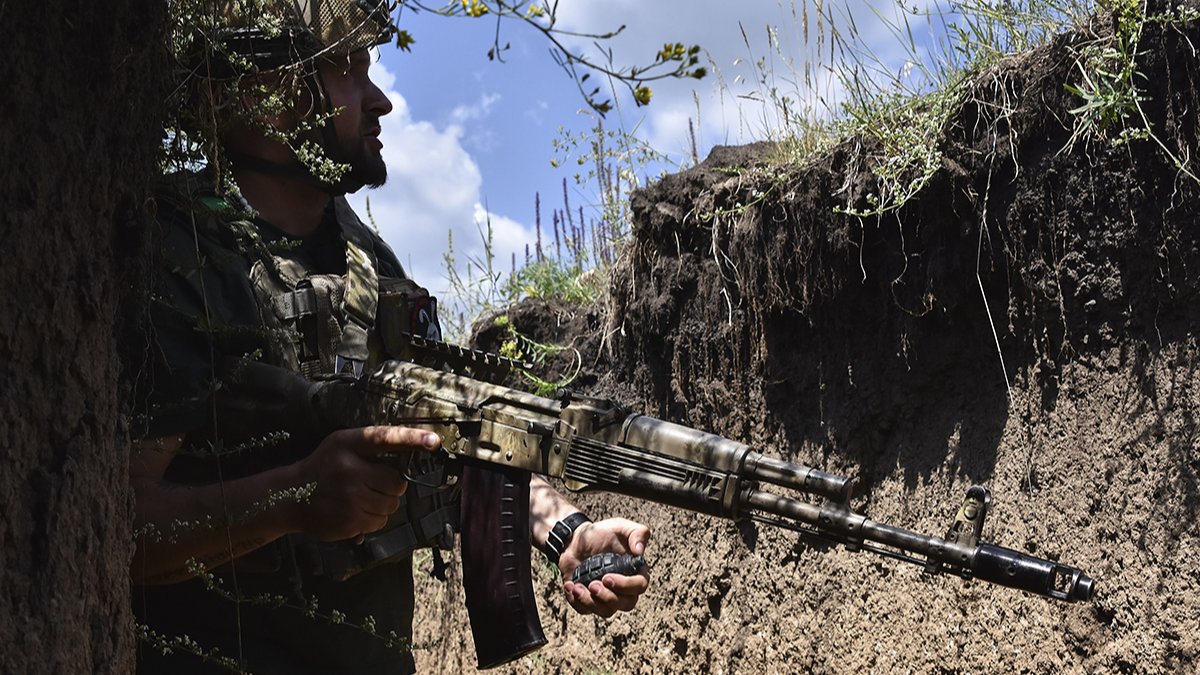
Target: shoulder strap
<point>362,290</point>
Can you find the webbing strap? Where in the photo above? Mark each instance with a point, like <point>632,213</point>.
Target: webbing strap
<point>411,535</point>
<point>343,560</point>
<point>296,304</point>
<point>362,290</point>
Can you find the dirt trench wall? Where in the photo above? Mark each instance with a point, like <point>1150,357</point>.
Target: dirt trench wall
<point>1027,322</point>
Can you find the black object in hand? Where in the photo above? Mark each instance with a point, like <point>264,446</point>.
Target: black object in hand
<point>597,566</point>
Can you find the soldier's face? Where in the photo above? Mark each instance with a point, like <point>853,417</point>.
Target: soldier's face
<point>360,104</point>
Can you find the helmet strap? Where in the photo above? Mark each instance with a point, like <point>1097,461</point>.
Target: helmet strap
<point>329,136</point>
<point>289,169</point>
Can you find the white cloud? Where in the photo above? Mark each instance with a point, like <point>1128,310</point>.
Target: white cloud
<point>472,118</point>
<point>509,238</point>
<point>537,112</point>
<point>476,111</point>
<point>433,189</point>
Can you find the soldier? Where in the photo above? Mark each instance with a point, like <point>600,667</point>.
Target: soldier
<point>274,264</point>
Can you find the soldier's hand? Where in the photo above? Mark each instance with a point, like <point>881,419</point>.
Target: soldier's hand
<point>614,592</point>
<point>355,489</point>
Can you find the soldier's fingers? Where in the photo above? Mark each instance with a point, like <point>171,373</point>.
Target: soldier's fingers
<point>637,536</point>
<point>622,534</point>
<point>579,598</point>
<point>601,594</point>
<point>618,603</point>
<point>378,504</point>
<point>371,522</point>
<point>604,602</point>
<point>385,479</point>
<point>380,439</point>
<point>631,586</point>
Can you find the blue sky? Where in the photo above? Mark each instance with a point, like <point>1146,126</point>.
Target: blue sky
<point>471,139</point>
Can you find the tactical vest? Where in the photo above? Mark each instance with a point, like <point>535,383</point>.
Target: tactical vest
<point>324,325</point>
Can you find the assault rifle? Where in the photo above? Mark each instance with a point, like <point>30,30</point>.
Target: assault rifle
<point>595,444</point>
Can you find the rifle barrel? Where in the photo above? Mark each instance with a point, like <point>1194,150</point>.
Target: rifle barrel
<point>994,564</point>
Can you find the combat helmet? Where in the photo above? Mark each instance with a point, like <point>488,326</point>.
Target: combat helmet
<point>254,36</point>
<point>262,45</point>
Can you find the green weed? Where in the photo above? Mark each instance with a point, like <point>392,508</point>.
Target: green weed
<point>524,349</point>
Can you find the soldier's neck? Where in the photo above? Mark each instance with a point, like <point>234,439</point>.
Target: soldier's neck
<point>294,206</point>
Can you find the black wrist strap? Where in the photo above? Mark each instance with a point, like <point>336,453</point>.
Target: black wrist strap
<point>560,536</point>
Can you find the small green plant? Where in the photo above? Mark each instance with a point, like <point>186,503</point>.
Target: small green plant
<point>612,163</point>
<point>561,268</point>
<point>906,110</point>
<point>1110,84</point>
<point>551,279</point>
<point>1109,80</point>
<point>906,129</point>
<point>185,644</point>
<point>524,349</point>
<point>474,291</point>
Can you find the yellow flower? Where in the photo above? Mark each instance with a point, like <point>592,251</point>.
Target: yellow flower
<point>642,95</point>
<point>671,52</point>
<point>535,11</point>
<point>474,8</point>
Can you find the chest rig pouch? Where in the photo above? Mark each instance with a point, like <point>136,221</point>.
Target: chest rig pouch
<point>328,325</point>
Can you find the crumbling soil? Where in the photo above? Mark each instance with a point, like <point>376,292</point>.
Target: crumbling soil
<point>1026,322</point>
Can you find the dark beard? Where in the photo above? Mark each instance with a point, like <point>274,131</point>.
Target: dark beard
<point>365,169</point>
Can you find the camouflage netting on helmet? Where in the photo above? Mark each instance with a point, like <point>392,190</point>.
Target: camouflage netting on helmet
<point>346,26</point>
<point>245,36</point>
